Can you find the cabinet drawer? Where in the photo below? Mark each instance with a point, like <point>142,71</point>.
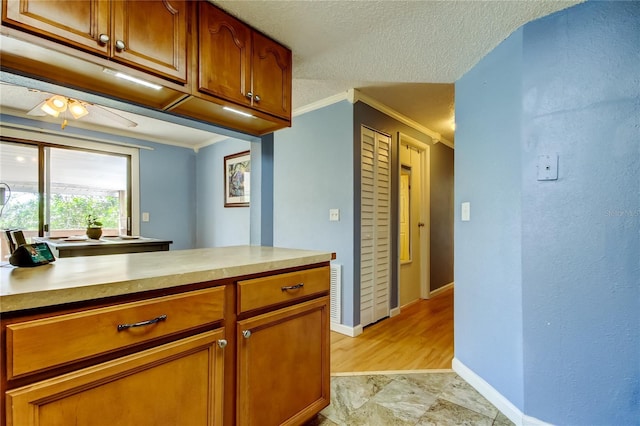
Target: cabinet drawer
<point>41,344</point>
<point>262,292</point>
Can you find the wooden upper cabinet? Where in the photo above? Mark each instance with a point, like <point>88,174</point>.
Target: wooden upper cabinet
<point>76,22</point>
<point>151,36</point>
<point>241,65</point>
<point>225,55</point>
<point>271,76</point>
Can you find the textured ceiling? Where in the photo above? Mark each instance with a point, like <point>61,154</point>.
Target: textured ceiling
<point>404,54</point>
<point>374,45</point>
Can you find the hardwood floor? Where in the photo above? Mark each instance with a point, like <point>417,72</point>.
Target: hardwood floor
<point>419,338</point>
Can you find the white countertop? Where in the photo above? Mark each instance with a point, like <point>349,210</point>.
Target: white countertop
<point>77,279</point>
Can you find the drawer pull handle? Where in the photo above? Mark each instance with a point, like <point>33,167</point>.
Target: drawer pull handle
<point>246,333</point>
<point>142,323</point>
<point>222,343</point>
<point>292,287</point>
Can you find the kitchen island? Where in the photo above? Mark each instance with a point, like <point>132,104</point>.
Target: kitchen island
<point>178,337</point>
<point>82,246</point>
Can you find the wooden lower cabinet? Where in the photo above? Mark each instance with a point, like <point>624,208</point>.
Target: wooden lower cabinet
<point>283,365</point>
<point>166,361</point>
<point>179,383</point>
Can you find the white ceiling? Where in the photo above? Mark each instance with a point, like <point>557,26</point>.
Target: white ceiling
<point>404,54</point>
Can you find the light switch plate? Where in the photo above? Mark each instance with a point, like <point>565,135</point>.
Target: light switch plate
<point>145,217</point>
<point>465,211</point>
<point>548,167</point>
<point>334,215</point>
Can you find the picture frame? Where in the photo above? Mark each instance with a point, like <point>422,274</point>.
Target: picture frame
<point>237,179</point>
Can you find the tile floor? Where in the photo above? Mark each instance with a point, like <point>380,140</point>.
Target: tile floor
<point>416,399</point>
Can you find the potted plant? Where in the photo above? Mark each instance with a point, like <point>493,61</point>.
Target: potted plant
<point>94,227</point>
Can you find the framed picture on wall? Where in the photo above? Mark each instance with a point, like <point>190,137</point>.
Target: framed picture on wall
<point>237,179</point>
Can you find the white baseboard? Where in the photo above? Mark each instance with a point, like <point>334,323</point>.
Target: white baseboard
<point>346,330</point>
<point>532,421</point>
<point>493,396</point>
<point>393,312</point>
<point>440,290</point>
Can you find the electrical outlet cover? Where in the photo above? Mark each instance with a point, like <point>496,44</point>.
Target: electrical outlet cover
<point>547,167</point>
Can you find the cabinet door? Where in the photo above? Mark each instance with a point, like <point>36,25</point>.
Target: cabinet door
<point>76,22</point>
<point>180,383</point>
<point>283,365</point>
<point>271,77</point>
<point>224,55</point>
<point>152,36</point>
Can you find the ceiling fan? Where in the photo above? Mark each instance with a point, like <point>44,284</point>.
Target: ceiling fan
<point>66,107</point>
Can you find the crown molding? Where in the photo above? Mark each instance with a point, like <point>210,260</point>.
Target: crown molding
<point>321,103</point>
<point>354,95</point>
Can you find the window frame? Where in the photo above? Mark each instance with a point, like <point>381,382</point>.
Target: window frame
<point>72,141</point>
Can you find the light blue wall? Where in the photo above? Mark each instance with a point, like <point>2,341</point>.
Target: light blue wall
<point>261,216</point>
<point>581,233</point>
<point>166,182</point>
<point>549,270</point>
<point>313,172</point>
<point>218,225</point>
<point>488,174</point>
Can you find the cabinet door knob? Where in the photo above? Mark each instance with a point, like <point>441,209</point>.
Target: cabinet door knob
<point>104,39</point>
<point>246,333</point>
<point>256,98</point>
<point>120,45</point>
<point>222,343</point>
<point>249,95</point>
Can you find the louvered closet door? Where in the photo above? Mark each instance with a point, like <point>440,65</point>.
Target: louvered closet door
<point>375,240</point>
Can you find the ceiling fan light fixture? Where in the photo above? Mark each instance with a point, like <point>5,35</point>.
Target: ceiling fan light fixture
<point>77,109</point>
<point>46,108</point>
<point>55,105</point>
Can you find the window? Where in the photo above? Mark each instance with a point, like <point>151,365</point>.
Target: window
<point>54,187</point>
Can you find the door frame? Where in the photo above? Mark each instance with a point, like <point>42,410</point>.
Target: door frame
<point>425,215</point>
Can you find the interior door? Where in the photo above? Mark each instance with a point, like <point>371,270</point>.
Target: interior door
<point>410,224</point>
<point>414,220</point>
<point>375,223</point>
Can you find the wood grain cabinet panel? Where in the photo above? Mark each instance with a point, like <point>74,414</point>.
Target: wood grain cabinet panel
<point>283,365</point>
<point>224,55</point>
<point>76,22</point>
<point>282,288</point>
<point>241,65</point>
<point>149,35</point>
<point>271,77</point>
<point>41,344</point>
<point>154,36</point>
<point>180,383</point>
